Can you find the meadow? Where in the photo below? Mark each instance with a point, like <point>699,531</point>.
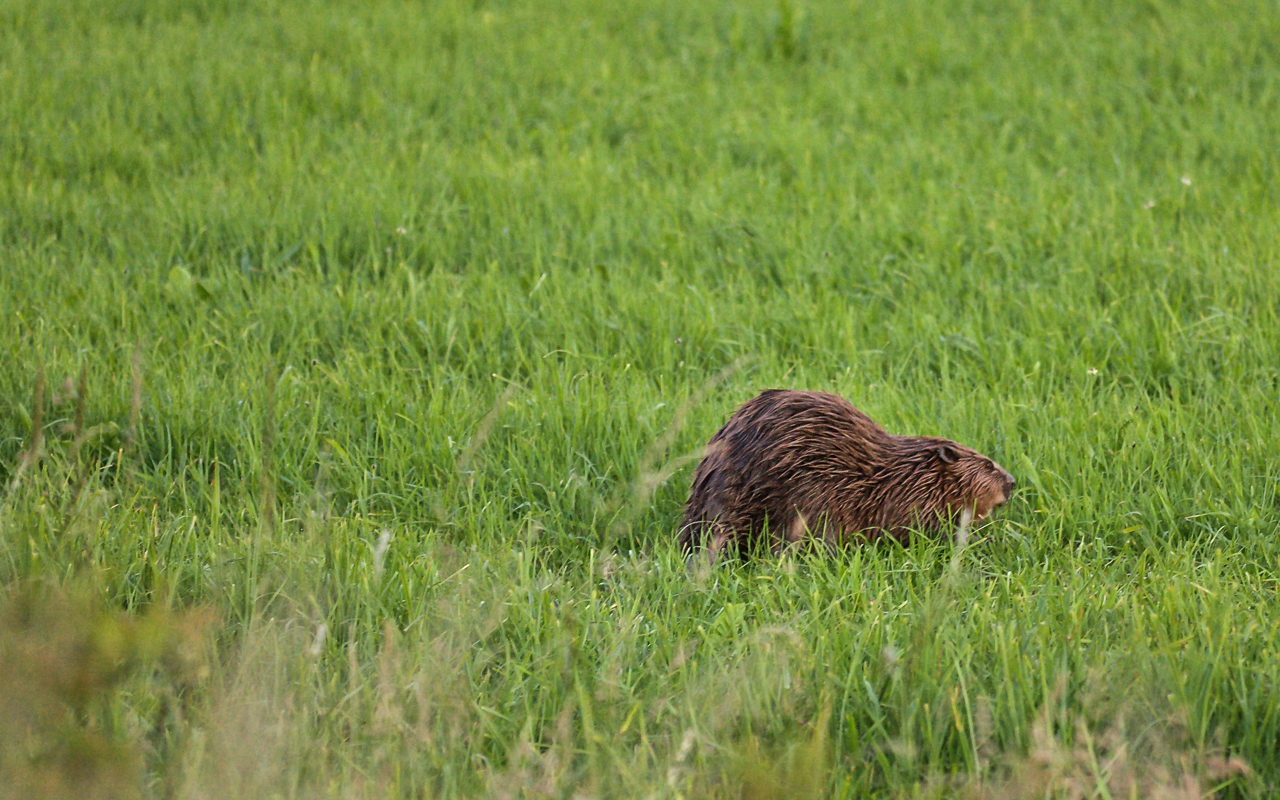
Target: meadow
<point>356,358</point>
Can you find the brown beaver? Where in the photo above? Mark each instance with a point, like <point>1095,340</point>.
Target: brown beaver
<point>799,465</point>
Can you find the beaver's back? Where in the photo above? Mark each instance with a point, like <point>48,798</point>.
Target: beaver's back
<point>776,447</point>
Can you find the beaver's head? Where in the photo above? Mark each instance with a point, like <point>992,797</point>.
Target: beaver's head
<point>974,481</point>
<point>939,476</point>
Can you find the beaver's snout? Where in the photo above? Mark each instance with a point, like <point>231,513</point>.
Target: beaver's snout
<point>1009,483</point>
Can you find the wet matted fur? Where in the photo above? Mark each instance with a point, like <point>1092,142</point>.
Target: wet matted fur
<point>801,465</point>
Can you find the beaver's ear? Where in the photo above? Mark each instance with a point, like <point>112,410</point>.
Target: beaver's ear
<point>946,454</point>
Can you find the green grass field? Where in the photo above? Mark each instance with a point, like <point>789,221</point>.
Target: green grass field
<point>355,357</point>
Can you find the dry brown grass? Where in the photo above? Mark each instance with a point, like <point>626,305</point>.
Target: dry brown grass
<point>63,660</point>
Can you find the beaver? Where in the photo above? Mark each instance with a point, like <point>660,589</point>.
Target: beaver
<point>798,465</point>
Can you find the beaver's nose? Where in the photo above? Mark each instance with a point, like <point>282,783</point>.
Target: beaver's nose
<point>1009,483</point>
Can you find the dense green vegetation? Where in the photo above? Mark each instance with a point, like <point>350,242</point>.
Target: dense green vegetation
<point>372,343</point>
